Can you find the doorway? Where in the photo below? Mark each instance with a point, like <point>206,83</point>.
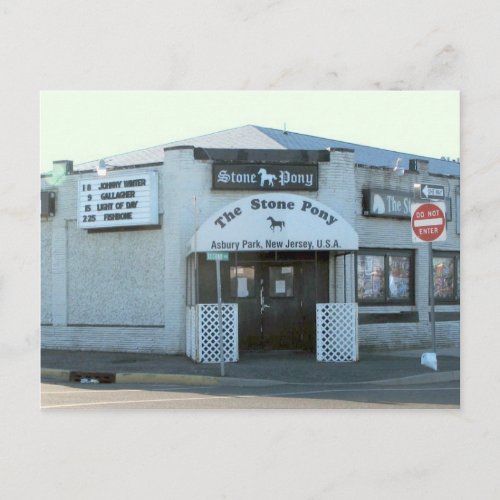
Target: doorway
<point>276,295</point>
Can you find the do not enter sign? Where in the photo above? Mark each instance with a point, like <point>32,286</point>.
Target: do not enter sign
<point>428,221</point>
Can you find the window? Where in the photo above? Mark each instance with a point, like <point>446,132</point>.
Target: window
<point>446,268</point>
<point>371,282</point>
<point>399,277</point>
<point>242,281</point>
<point>384,276</point>
<point>281,281</point>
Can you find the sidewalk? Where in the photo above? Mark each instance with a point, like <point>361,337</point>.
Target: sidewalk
<point>253,368</point>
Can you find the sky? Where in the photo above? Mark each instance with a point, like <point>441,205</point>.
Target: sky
<point>89,125</point>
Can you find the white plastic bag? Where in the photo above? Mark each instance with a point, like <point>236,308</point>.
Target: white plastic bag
<point>429,359</point>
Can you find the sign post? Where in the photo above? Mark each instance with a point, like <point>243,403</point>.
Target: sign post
<point>218,256</point>
<point>428,224</point>
<point>431,298</point>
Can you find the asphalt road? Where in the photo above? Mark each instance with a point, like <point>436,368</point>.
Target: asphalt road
<point>286,396</point>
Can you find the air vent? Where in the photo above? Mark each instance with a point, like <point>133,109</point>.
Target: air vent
<point>413,165</point>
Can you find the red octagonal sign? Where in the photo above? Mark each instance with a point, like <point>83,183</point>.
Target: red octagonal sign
<point>428,221</point>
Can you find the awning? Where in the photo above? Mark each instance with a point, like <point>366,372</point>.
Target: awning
<point>274,222</point>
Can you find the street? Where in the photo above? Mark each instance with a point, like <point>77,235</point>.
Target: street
<point>286,396</point>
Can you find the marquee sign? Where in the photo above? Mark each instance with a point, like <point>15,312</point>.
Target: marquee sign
<point>118,200</point>
<point>265,177</point>
<point>274,221</point>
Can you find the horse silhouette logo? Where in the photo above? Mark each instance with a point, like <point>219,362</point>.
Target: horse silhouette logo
<point>276,223</point>
<point>265,177</point>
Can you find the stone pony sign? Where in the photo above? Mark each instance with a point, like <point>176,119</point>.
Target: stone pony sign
<point>265,177</point>
<point>274,221</point>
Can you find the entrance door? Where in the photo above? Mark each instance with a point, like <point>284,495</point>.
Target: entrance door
<point>277,302</point>
<point>281,305</point>
<point>276,296</point>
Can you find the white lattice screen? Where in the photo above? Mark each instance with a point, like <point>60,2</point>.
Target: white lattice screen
<point>206,350</point>
<point>337,332</point>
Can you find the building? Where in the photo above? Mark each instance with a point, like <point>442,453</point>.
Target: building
<point>312,227</point>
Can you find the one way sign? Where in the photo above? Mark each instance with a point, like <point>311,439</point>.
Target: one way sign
<point>430,191</point>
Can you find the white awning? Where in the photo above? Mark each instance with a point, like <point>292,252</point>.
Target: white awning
<point>274,221</point>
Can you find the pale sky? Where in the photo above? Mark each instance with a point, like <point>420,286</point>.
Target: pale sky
<point>84,126</point>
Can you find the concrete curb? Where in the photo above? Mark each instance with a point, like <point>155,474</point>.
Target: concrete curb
<point>168,378</point>
<point>425,378</point>
<point>249,382</point>
<point>165,378</point>
<point>55,374</point>
<point>182,379</point>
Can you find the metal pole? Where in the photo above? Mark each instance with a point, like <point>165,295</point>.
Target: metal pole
<point>431,297</point>
<point>196,263</point>
<point>345,279</point>
<point>219,306</point>
<point>197,332</point>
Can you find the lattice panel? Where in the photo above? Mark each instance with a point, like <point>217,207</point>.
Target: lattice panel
<point>209,333</point>
<point>336,332</point>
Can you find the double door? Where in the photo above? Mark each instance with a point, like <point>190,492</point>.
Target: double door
<point>276,304</point>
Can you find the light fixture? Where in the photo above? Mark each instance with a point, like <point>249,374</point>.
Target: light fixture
<point>103,167</point>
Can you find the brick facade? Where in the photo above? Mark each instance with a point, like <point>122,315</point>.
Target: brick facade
<point>126,290</point>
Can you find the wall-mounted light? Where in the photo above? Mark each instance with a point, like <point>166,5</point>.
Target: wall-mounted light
<point>101,168</point>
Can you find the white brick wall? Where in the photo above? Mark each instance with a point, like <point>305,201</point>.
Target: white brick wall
<point>154,292</point>
<point>105,279</point>
<point>117,339</point>
<point>182,178</point>
<point>336,184</point>
<point>46,271</point>
<point>392,233</point>
<point>115,278</point>
<point>59,275</point>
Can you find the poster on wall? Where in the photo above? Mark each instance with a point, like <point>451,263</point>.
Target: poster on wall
<point>118,200</point>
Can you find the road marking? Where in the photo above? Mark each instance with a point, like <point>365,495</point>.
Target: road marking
<point>243,396</point>
<point>365,390</point>
<point>134,402</point>
<point>77,390</point>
